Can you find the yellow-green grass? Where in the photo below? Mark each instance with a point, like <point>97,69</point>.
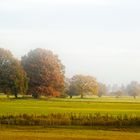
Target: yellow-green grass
<point>104,105</point>
<point>65,134</point>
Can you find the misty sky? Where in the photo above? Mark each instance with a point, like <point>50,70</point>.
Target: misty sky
<point>94,37</point>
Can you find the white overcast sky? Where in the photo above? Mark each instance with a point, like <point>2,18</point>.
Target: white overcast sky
<point>94,37</point>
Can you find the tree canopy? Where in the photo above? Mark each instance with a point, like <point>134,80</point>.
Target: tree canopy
<point>45,72</point>
<point>12,76</point>
<point>82,85</point>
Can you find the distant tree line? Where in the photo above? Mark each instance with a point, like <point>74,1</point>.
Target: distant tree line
<point>40,72</point>
<point>132,89</point>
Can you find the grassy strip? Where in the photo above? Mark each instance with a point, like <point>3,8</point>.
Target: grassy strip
<point>71,119</point>
<point>40,107</point>
<point>64,134</point>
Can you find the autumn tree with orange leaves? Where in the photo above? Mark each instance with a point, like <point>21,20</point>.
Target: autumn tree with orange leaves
<point>45,72</point>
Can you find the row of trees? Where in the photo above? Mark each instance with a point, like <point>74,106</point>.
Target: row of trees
<point>132,89</point>
<point>87,85</point>
<point>40,72</point>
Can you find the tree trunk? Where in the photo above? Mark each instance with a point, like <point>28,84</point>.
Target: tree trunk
<point>134,97</point>
<point>35,96</point>
<point>70,96</point>
<point>82,96</point>
<point>16,95</point>
<point>99,96</point>
<point>7,95</point>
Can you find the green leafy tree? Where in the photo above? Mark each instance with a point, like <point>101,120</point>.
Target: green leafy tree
<point>45,72</point>
<point>12,76</point>
<point>82,85</point>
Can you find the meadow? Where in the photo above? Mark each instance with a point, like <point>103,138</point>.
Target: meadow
<point>27,107</point>
<point>103,105</point>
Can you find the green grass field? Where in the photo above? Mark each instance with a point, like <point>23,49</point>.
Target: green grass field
<point>104,105</point>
